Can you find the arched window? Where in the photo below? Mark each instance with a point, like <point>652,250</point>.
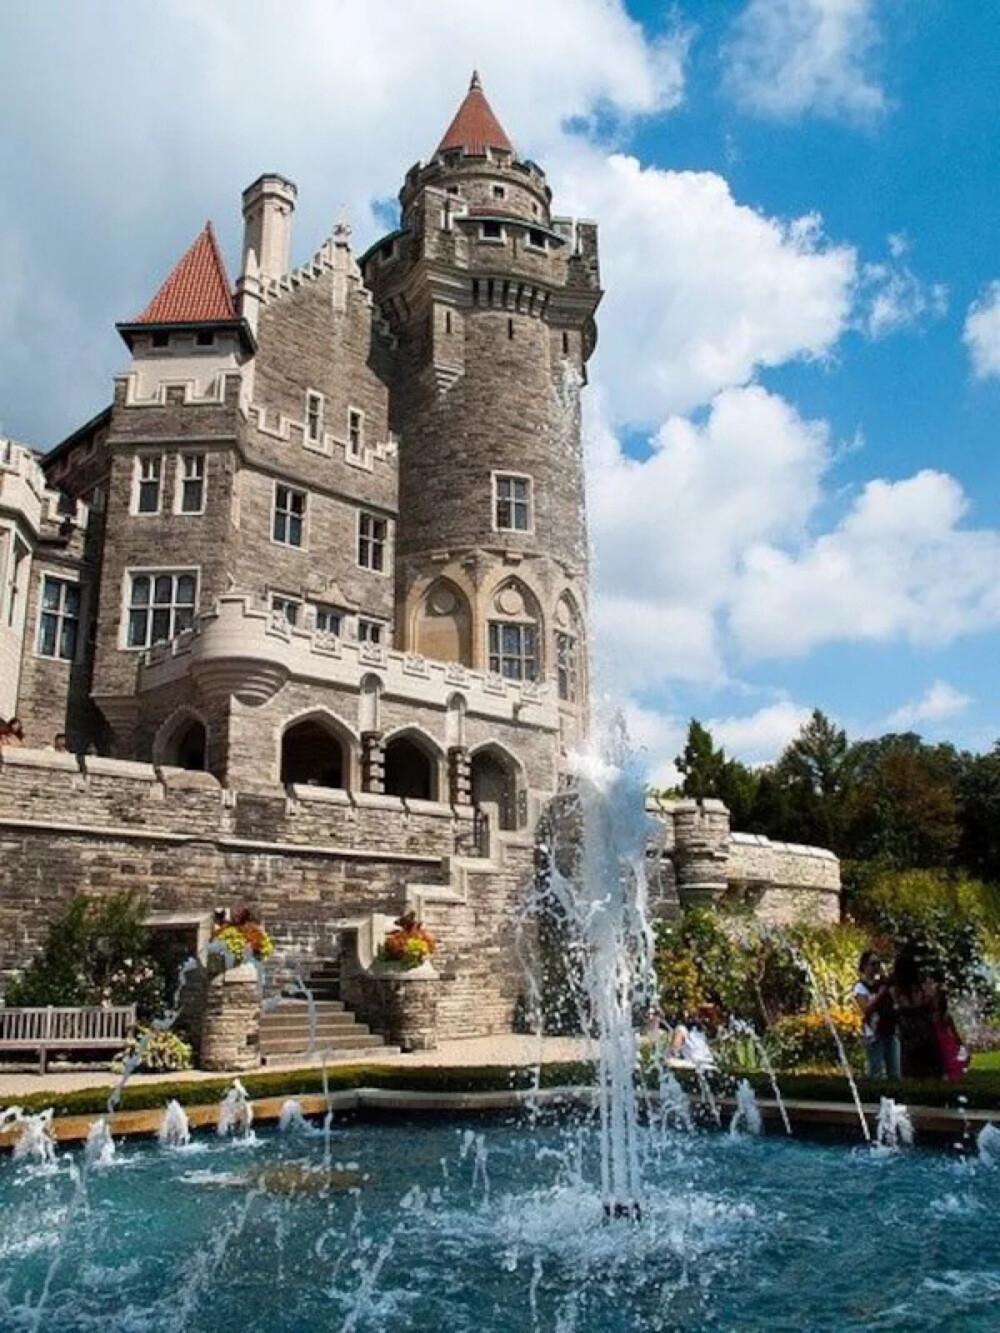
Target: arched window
<point>313,754</point>
<point>443,628</point>
<point>570,657</point>
<point>494,781</point>
<point>410,770</point>
<point>514,644</point>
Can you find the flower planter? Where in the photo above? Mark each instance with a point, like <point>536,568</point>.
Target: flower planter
<point>402,1004</point>
<point>230,1034</point>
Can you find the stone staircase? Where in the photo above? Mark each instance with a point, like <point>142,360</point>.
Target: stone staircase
<point>285,1035</point>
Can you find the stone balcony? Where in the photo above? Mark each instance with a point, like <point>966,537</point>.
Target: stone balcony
<point>236,649</point>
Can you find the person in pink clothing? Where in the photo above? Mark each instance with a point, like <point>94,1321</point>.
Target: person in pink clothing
<point>954,1056</point>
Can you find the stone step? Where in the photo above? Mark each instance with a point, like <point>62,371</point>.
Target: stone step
<point>343,1041</point>
<point>280,1027</point>
<point>287,1005</point>
<point>359,1053</point>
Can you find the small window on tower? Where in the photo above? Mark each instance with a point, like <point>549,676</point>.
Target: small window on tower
<point>148,473</point>
<point>314,416</point>
<point>161,339</point>
<point>372,536</point>
<point>512,503</point>
<point>451,189</point>
<point>369,631</point>
<point>492,231</point>
<point>205,338</point>
<point>537,239</point>
<point>499,192</point>
<point>355,430</point>
<point>447,321</point>
<point>565,344</point>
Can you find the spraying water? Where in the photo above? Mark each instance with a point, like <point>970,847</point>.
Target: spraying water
<point>845,1064</point>
<point>604,905</point>
<point>988,1144</point>
<point>100,1146</point>
<point>292,1121</point>
<point>746,1118</point>
<point>894,1129</point>
<point>748,1030</point>
<point>174,1131</point>
<point>235,1112</point>
<point>36,1143</point>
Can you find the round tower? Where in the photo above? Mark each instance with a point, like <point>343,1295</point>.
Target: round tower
<point>491,301</point>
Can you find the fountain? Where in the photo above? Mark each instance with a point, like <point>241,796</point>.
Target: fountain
<point>746,1118</point>
<point>100,1146</point>
<point>174,1131</point>
<point>894,1129</point>
<point>236,1113</point>
<point>36,1142</point>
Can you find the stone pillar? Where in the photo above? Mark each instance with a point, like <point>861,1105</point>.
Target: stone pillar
<point>372,762</point>
<point>701,852</point>
<point>459,776</point>
<point>230,1034</point>
<point>399,1004</point>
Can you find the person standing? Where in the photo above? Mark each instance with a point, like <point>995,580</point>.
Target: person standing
<point>916,997</point>
<point>878,1016</point>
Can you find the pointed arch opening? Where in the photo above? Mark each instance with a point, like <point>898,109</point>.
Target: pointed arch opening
<point>569,651</point>
<point>182,742</point>
<point>412,767</point>
<point>495,781</point>
<point>443,624</point>
<point>515,632</point>
<point>316,752</point>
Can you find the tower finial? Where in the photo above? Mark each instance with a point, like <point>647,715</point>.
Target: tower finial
<point>475,81</point>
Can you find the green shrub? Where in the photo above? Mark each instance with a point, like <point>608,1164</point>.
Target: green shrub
<point>804,1041</point>
<point>946,922</point>
<point>95,953</point>
<point>159,1052</point>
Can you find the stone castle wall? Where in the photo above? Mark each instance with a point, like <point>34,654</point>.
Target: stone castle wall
<point>312,863</point>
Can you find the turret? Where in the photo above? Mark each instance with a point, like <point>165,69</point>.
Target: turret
<point>492,304</point>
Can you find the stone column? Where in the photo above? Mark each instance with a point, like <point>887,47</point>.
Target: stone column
<point>230,1034</point>
<point>459,776</point>
<point>372,762</point>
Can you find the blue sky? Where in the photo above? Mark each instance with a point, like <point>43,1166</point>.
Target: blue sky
<point>792,419</point>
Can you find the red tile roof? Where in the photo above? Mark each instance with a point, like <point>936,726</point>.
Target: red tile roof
<point>197,291</point>
<point>475,127</point>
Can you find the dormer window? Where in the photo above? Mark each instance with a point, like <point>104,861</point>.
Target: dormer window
<point>161,339</point>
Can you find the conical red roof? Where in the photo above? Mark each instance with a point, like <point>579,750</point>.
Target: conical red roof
<point>475,128</point>
<point>197,291</point>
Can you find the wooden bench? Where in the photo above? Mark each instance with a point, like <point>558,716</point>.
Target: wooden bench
<point>45,1030</point>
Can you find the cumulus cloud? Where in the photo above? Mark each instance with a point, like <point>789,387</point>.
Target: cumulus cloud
<point>891,296</point>
<point>670,530</point>
<point>981,334</point>
<point>342,98</point>
<point>759,737</point>
<point>899,566</point>
<point>939,702</point>
<point>707,290</point>
<point>787,58</point>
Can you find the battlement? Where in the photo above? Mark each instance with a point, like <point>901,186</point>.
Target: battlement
<point>25,492</point>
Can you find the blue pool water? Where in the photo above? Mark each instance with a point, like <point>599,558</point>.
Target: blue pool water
<point>499,1232</point>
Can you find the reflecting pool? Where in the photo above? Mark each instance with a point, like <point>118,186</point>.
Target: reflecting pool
<point>484,1225</point>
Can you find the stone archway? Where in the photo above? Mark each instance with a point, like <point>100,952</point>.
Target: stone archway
<point>182,743</point>
<point>494,779</point>
<point>411,772</point>
<point>315,754</point>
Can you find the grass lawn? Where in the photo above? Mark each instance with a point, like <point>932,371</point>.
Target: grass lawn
<point>987,1060</point>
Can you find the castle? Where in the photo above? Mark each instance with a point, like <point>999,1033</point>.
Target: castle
<point>309,598</point>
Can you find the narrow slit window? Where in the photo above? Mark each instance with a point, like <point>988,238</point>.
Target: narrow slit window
<point>355,431</point>
<point>192,497</point>
<point>314,416</point>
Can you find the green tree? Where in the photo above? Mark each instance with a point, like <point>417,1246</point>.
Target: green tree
<point>903,809</point>
<point>701,763</point>
<point>978,849</point>
<point>807,797</point>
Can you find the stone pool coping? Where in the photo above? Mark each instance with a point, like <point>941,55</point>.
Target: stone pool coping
<point>807,1117</point>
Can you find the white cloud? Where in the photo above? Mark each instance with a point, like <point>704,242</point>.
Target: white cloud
<point>899,566</point>
<point>340,97</point>
<point>981,334</point>
<point>892,297</point>
<point>786,58</point>
<point>758,738</point>
<point>939,702</point>
<point>670,530</point>
<point>701,291</point>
